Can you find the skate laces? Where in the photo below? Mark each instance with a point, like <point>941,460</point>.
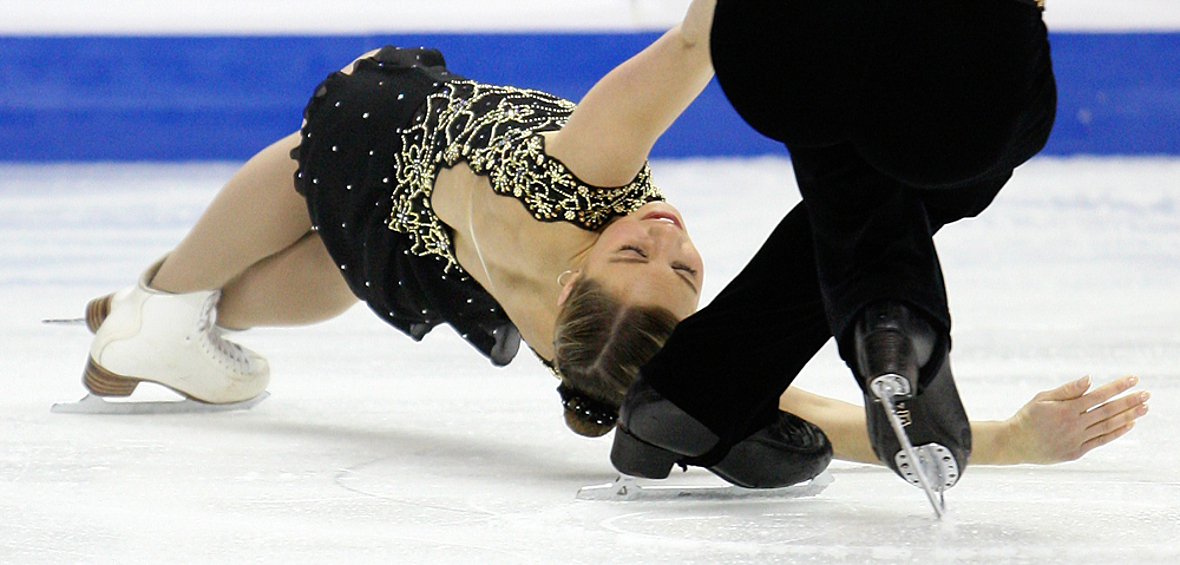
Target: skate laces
<point>228,355</point>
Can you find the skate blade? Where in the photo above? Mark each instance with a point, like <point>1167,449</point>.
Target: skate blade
<point>65,321</point>
<point>915,473</point>
<point>936,461</point>
<point>625,488</point>
<point>94,404</point>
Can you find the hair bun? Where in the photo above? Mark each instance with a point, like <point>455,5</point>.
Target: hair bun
<point>587,416</point>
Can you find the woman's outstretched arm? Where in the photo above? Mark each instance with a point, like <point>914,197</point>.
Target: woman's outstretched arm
<point>1056,425</point>
<point>609,135</point>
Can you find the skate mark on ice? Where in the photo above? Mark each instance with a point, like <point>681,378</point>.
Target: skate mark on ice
<point>357,480</point>
<point>744,529</point>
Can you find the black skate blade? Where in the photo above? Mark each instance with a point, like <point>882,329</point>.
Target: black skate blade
<point>625,488</point>
<point>93,404</point>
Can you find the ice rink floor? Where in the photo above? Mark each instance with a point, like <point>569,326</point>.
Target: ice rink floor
<point>375,449</point>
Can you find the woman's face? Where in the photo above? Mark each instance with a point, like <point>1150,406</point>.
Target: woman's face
<point>647,258</point>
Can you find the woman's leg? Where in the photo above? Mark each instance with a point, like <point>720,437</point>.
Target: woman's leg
<point>257,213</point>
<point>297,286</point>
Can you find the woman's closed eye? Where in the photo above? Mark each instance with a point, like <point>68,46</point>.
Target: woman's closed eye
<point>641,253</point>
<point>637,250</point>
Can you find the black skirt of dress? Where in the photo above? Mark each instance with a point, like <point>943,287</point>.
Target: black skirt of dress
<point>346,161</point>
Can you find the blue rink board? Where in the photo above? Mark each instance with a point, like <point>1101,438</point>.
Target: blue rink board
<point>108,98</point>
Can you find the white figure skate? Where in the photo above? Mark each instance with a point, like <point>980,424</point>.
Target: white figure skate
<point>146,335</point>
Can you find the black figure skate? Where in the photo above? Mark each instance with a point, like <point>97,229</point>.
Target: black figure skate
<point>911,399</point>
<point>653,434</point>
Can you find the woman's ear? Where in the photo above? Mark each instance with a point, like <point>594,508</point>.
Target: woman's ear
<point>567,280</point>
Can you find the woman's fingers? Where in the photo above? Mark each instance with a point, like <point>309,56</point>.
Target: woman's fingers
<point>1067,391</point>
<point>1114,407</point>
<point>1104,439</point>
<point>1116,413</point>
<point>1107,391</point>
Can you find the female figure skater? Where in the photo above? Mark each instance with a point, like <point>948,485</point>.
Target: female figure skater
<point>437,199</point>
<point>506,213</point>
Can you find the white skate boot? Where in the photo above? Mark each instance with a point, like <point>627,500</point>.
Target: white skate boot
<point>142,334</point>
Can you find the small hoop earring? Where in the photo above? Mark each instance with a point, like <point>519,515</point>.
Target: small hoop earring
<point>560,281</point>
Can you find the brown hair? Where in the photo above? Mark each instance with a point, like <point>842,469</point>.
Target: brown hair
<point>599,345</point>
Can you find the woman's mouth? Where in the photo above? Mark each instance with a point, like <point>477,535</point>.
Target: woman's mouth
<point>663,216</point>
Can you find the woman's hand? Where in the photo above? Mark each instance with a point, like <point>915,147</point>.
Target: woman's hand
<point>698,22</point>
<point>1056,425</point>
<point>1067,422</point>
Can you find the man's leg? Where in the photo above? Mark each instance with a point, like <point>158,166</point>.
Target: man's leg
<point>710,397</point>
<point>872,238</point>
<point>806,93</point>
<point>884,296</point>
<point>728,363</point>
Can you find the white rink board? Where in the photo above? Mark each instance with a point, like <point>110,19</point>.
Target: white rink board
<point>383,16</point>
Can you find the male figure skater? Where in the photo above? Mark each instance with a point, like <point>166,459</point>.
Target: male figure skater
<point>900,116</point>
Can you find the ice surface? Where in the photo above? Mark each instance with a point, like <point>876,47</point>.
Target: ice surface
<point>375,449</point>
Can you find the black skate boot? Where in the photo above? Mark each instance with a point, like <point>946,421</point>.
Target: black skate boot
<point>652,435</point>
<point>910,398</point>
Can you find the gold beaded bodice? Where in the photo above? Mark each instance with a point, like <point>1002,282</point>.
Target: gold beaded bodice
<point>497,130</point>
